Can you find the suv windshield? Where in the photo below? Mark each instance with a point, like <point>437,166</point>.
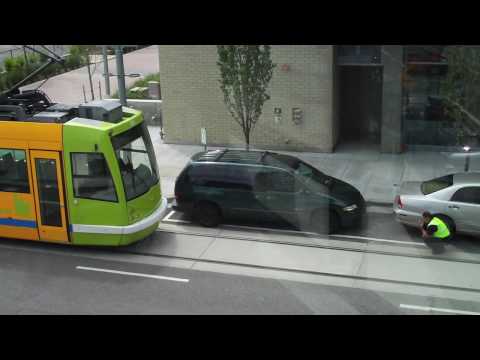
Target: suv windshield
<point>431,186</point>
<point>136,160</point>
<point>310,176</point>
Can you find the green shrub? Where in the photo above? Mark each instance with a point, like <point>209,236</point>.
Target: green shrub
<point>9,64</point>
<point>140,83</point>
<point>17,68</point>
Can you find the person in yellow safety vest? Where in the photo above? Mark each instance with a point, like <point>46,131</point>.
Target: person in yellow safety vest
<point>434,227</point>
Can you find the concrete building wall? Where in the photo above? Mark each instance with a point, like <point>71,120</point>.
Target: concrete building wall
<point>192,99</point>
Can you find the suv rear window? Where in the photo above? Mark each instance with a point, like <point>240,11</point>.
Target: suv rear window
<point>432,186</point>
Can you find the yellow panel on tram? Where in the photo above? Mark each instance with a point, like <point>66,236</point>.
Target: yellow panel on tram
<point>17,216</point>
<point>36,135</point>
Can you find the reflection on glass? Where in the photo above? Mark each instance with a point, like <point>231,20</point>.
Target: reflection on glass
<point>136,160</point>
<point>92,178</point>
<point>48,192</point>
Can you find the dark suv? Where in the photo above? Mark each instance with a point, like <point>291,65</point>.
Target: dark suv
<point>267,187</point>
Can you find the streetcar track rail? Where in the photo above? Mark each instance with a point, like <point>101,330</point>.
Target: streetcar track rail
<point>329,247</point>
<point>300,271</point>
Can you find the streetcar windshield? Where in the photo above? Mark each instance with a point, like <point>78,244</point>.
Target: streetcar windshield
<point>136,160</point>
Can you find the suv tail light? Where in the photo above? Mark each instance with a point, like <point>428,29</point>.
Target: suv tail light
<point>398,201</point>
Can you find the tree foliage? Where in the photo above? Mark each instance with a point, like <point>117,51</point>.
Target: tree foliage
<point>461,86</point>
<point>17,68</point>
<point>246,71</point>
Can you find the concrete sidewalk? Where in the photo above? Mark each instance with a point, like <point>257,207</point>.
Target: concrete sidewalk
<point>374,174</point>
<point>67,87</point>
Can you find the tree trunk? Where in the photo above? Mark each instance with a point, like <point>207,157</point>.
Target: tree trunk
<point>247,139</point>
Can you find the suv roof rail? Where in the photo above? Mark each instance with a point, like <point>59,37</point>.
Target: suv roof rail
<point>241,156</point>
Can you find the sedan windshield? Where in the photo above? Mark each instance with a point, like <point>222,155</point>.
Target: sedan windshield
<point>136,160</point>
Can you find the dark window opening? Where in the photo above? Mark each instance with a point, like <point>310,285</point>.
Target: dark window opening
<point>92,178</point>
<point>13,171</point>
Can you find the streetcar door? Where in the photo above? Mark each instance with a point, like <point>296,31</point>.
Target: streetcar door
<point>49,195</point>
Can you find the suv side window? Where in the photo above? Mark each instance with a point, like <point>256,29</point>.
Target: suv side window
<point>282,182</point>
<point>276,180</point>
<point>469,195</point>
<point>222,176</point>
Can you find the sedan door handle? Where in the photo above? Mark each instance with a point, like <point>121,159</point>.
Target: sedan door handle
<point>454,207</point>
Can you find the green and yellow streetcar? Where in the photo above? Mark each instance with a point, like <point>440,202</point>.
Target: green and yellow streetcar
<point>81,175</point>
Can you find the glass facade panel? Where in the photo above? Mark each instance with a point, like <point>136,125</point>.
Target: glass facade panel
<point>359,54</point>
<point>438,97</point>
<point>136,159</point>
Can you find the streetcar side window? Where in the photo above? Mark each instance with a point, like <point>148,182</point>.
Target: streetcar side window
<point>92,178</point>
<point>13,171</point>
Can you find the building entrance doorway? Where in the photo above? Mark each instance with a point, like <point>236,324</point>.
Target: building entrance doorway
<point>360,104</point>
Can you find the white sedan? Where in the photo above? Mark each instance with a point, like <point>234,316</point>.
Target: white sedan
<point>455,198</point>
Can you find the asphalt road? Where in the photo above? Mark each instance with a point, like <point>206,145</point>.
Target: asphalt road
<point>54,279</point>
<point>52,284</point>
<point>37,283</point>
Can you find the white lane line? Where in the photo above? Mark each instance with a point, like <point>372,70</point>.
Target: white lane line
<point>158,277</point>
<point>177,221</point>
<point>167,219</point>
<point>430,309</point>
<point>168,216</point>
<point>380,240</point>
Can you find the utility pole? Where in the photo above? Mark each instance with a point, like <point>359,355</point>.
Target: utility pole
<point>121,75</point>
<point>90,74</point>
<point>105,70</point>
<point>467,150</point>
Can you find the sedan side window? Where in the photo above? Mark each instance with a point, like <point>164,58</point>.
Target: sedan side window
<point>469,195</point>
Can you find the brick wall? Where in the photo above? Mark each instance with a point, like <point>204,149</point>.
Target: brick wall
<point>192,98</point>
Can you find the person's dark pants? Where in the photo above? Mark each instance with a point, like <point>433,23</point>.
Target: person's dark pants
<point>438,245</point>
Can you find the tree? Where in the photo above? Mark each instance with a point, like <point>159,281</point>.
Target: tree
<point>246,71</point>
<point>85,52</point>
<point>461,87</point>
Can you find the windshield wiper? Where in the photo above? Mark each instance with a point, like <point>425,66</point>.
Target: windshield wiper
<point>134,150</point>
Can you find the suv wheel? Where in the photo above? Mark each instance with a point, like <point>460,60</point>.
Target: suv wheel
<point>207,214</point>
